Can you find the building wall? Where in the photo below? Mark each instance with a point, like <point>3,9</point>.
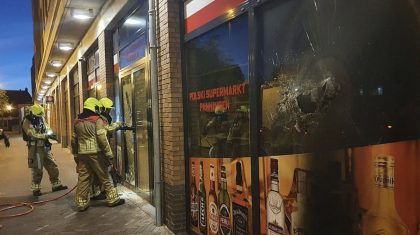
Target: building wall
<point>171,114</point>
<point>170,92</point>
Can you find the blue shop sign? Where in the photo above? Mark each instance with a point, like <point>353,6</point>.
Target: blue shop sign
<point>133,52</point>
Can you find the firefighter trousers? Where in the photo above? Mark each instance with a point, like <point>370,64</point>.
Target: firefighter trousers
<point>89,165</point>
<point>39,158</point>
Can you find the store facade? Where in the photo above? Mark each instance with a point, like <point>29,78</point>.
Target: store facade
<point>300,117</point>
<point>107,54</point>
<point>134,156</point>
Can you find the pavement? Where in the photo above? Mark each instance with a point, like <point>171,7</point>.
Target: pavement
<point>60,216</point>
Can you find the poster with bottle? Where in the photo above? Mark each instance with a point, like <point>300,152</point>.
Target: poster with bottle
<point>220,196</point>
<point>364,190</point>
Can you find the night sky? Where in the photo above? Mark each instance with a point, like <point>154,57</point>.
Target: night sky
<point>16,45</point>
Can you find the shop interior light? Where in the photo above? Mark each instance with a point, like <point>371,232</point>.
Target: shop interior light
<point>65,46</point>
<point>135,21</point>
<point>56,63</point>
<point>81,14</point>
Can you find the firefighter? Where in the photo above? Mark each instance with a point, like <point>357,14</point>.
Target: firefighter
<point>94,155</point>
<point>4,136</point>
<point>107,107</point>
<point>37,133</point>
<point>98,192</point>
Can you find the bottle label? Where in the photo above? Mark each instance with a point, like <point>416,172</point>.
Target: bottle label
<point>194,210</point>
<point>240,219</point>
<point>275,229</point>
<point>202,212</point>
<point>384,182</point>
<point>225,226</point>
<point>213,218</point>
<point>275,203</point>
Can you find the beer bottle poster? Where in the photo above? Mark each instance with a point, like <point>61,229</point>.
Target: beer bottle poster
<point>220,196</point>
<point>363,190</point>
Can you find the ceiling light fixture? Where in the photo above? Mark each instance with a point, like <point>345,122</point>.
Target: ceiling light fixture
<point>56,63</point>
<point>45,87</point>
<point>65,46</point>
<point>81,14</point>
<point>48,82</point>
<point>51,75</point>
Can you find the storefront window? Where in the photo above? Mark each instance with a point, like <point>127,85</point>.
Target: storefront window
<point>93,73</point>
<point>75,94</point>
<point>133,27</point>
<point>217,72</point>
<point>340,121</point>
<point>330,79</point>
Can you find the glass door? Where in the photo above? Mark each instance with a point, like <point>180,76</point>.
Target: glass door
<point>128,136</point>
<point>136,105</point>
<point>141,99</point>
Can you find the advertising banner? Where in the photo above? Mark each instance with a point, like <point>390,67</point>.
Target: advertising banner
<point>365,190</point>
<point>220,196</point>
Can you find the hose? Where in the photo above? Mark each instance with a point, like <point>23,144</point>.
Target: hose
<point>29,205</point>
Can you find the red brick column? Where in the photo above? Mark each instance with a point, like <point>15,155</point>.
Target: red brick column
<point>106,71</point>
<point>171,114</point>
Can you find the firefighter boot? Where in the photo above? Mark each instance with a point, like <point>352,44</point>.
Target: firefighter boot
<point>36,190</point>
<point>37,193</point>
<point>59,187</point>
<point>117,203</point>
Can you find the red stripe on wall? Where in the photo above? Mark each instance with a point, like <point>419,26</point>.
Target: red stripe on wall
<point>210,12</point>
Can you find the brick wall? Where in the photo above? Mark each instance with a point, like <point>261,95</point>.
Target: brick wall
<point>171,114</point>
<point>106,72</point>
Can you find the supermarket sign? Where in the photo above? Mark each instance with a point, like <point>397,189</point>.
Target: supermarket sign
<point>200,12</point>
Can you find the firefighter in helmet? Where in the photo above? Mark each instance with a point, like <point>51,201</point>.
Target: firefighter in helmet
<point>106,107</point>
<point>37,133</point>
<point>94,155</point>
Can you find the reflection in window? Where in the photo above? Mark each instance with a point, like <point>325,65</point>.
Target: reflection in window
<point>75,94</point>
<point>331,79</point>
<point>93,73</point>
<point>217,72</point>
<point>133,26</point>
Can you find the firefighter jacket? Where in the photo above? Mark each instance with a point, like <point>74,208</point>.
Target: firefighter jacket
<point>90,135</point>
<point>109,125</point>
<point>35,128</point>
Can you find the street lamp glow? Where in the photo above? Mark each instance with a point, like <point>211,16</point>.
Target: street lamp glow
<point>9,107</point>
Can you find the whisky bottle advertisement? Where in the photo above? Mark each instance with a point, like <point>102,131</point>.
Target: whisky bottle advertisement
<point>383,218</point>
<point>213,208</point>
<point>225,226</point>
<point>193,198</point>
<point>202,202</point>
<point>275,206</point>
<point>240,204</point>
